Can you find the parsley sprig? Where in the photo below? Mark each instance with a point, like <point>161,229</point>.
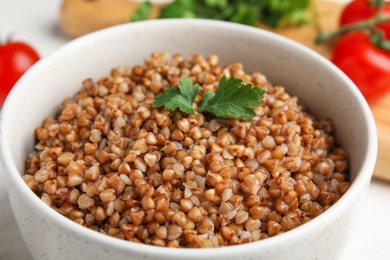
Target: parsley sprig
<point>274,13</point>
<point>183,99</point>
<point>231,100</point>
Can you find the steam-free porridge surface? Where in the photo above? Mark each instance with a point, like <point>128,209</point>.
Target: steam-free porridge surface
<point>113,163</point>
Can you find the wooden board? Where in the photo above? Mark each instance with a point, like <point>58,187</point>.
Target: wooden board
<point>329,13</point>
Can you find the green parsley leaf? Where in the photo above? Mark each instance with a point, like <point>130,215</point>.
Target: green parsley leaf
<point>246,14</point>
<point>182,99</point>
<point>142,12</point>
<point>214,9</point>
<point>275,13</point>
<point>216,3</point>
<point>232,99</point>
<point>294,18</point>
<point>285,13</point>
<point>179,9</point>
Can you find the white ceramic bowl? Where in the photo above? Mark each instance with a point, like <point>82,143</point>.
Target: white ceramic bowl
<point>327,92</point>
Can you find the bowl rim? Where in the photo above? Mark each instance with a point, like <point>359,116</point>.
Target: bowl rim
<point>358,185</point>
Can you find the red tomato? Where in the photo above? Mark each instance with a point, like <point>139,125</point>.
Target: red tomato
<point>365,64</point>
<point>359,10</point>
<point>15,59</point>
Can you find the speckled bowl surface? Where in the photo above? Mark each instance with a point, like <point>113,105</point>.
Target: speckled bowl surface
<point>327,92</point>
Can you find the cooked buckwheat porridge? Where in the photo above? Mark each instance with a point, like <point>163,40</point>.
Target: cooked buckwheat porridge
<point>112,162</point>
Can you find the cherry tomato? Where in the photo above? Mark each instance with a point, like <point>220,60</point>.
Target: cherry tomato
<point>359,10</point>
<point>15,59</point>
<point>365,64</point>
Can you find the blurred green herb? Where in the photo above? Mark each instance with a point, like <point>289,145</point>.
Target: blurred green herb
<point>274,13</point>
<point>179,9</point>
<point>231,100</point>
<point>285,13</point>
<point>142,12</point>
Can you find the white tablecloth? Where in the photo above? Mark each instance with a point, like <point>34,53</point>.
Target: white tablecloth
<point>35,22</point>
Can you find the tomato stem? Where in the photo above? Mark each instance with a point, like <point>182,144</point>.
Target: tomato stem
<point>378,39</point>
<point>366,25</point>
<point>377,3</point>
<point>376,35</point>
<point>380,5</point>
<point>7,39</point>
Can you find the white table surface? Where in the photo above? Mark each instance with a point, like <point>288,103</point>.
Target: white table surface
<point>35,22</point>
